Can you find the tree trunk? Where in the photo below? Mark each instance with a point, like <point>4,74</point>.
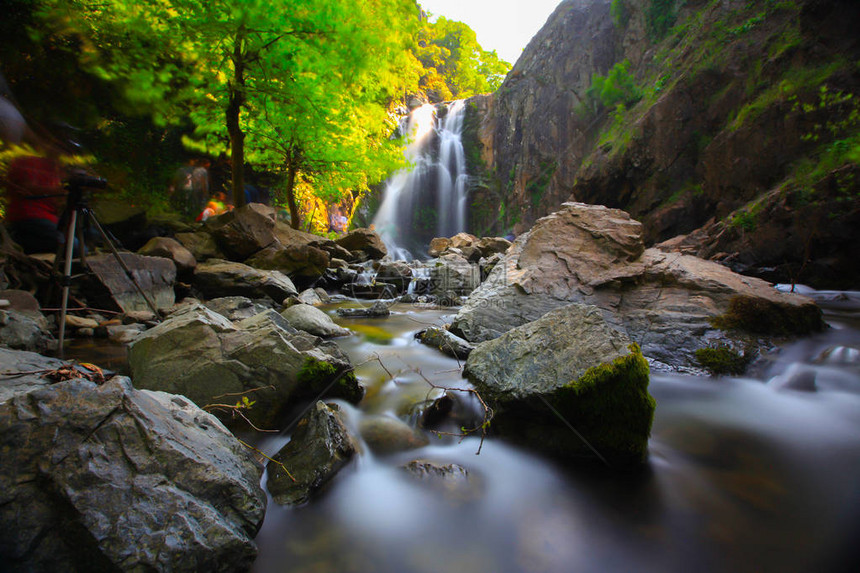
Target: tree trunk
<point>292,171</point>
<point>234,108</point>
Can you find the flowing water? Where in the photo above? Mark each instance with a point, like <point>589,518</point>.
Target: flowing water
<point>743,475</point>
<point>428,199</point>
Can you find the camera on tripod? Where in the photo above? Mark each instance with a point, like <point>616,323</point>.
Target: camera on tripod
<point>80,179</point>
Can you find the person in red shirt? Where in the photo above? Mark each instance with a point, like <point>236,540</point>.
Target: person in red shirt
<point>35,192</point>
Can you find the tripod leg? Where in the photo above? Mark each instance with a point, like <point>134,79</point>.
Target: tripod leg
<point>67,277</point>
<point>125,268</point>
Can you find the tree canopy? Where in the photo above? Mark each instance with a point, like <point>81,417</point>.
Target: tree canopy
<point>304,88</point>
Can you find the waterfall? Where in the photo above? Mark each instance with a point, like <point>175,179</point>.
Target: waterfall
<point>428,199</point>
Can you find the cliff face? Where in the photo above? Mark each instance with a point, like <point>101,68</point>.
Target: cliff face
<point>744,137</point>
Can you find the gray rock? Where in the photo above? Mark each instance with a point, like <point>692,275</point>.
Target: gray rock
<point>303,263</point>
<point>385,435</point>
<point>453,276</point>
<point>170,249</point>
<point>202,355</point>
<point>568,368</point>
<point>454,481</point>
<point>124,333</point>
<point>236,307</point>
<point>396,273</point>
<point>319,448</point>
<point>378,309</point>
<point>593,255</point>
<point>24,332</point>
<point>218,278</point>
<point>313,320</point>
<point>155,275</point>
<point>309,296</point>
<point>445,341</point>
<point>112,478</point>
<point>201,245</point>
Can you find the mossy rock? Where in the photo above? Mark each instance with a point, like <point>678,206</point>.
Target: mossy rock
<point>766,317</point>
<point>723,359</point>
<point>321,378</point>
<point>605,415</point>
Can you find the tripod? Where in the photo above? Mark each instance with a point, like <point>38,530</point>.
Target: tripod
<point>77,214</point>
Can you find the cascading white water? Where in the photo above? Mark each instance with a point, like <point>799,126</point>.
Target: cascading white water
<point>429,198</point>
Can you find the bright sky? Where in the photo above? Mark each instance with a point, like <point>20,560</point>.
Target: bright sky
<point>502,25</point>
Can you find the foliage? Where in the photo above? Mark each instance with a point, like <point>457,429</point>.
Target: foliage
<point>659,17</point>
<point>723,359</point>
<point>620,13</point>
<point>453,64</point>
<point>617,87</point>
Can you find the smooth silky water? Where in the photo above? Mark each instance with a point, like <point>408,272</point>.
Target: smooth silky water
<point>742,476</point>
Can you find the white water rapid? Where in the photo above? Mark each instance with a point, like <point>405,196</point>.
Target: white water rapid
<point>428,199</point>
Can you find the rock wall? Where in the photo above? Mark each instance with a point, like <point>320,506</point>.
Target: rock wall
<point>743,109</point>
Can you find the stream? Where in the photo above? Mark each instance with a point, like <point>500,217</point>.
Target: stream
<point>742,475</point>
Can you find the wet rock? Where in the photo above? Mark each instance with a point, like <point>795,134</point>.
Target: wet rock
<point>112,478</point>
<point>379,309</point>
<point>309,296</point>
<point>573,365</point>
<point>364,241</point>
<point>446,342</point>
<point>155,275</point>
<point>319,448</point>
<point>313,320</point>
<point>170,249</point>
<point>386,435</point>
<point>453,480</point>
<point>797,377</point>
<point>25,331</point>
<point>671,304</point>
<point>202,355</point>
<point>218,278</point>
<point>124,333</point>
<point>236,307</point>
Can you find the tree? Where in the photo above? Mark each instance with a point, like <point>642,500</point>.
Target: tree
<point>239,68</point>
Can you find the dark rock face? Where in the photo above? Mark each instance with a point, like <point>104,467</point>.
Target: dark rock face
<point>303,263</point>
<point>319,448</point>
<point>109,478</point>
<point>170,249</point>
<point>712,143</point>
<point>244,231</point>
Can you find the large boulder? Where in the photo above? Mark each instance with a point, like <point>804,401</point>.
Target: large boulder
<point>202,355</point>
<point>156,276</point>
<point>303,263</point>
<point>670,304</point>
<point>201,245</point>
<point>218,278</point>
<point>109,478</point>
<point>364,241</point>
<point>568,368</point>
<point>22,324</point>
<point>319,448</point>
<point>242,232</point>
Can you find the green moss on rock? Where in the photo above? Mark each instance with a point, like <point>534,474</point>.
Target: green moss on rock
<point>318,377</point>
<point>761,316</point>
<point>723,359</point>
<point>611,407</point>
